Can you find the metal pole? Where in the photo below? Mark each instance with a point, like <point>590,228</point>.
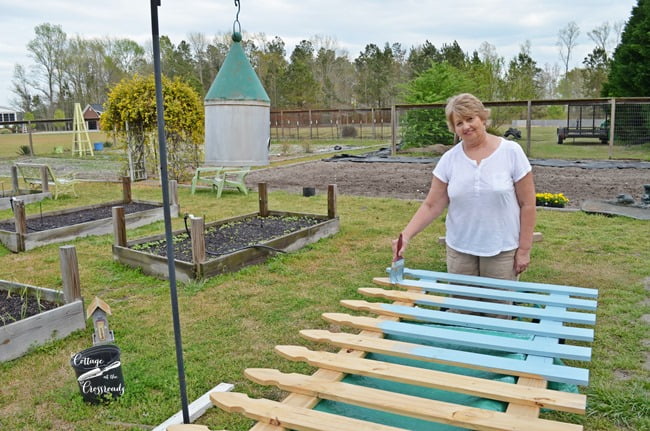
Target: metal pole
<point>166,211</point>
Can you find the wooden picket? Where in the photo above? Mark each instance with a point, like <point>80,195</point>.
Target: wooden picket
<point>425,324</point>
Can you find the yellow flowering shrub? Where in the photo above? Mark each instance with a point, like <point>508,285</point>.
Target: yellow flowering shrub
<point>557,200</point>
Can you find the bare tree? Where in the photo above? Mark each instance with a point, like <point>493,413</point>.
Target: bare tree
<point>198,46</point>
<point>25,100</point>
<point>600,36</point>
<point>567,40</point>
<point>618,30</point>
<point>47,50</point>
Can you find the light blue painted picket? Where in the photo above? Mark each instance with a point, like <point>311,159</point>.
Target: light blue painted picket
<point>502,295</point>
<point>505,325</point>
<point>520,311</point>
<point>523,286</point>
<point>483,341</point>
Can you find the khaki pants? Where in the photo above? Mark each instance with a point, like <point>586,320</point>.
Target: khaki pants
<point>501,266</point>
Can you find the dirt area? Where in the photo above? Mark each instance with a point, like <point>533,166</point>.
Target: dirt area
<point>412,180</point>
<point>46,222</point>
<point>14,307</point>
<point>407,180</point>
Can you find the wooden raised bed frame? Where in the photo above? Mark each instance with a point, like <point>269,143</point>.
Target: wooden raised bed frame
<point>19,337</point>
<point>21,240</point>
<point>202,267</point>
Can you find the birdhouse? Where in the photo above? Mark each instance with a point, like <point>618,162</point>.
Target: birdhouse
<point>237,113</point>
<point>99,311</point>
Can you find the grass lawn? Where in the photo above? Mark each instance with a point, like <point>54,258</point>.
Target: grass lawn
<point>43,143</point>
<point>543,145</point>
<point>233,321</point>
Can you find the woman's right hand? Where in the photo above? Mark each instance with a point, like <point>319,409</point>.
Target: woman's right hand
<point>397,254</point>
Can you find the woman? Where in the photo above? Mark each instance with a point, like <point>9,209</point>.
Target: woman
<point>486,182</point>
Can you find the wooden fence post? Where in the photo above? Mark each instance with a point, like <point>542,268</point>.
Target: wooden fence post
<point>263,199</point>
<point>612,126</point>
<point>126,190</point>
<point>20,221</point>
<point>19,217</point>
<point>14,180</point>
<point>393,130</point>
<point>31,141</point>
<point>331,201</point>
<point>197,231</point>
<point>70,273</point>
<point>119,226</point>
<point>44,179</point>
<point>529,111</point>
<point>173,192</point>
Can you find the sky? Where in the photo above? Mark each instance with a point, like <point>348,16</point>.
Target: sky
<point>351,25</point>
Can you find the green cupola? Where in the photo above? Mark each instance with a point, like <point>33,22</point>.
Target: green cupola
<point>237,113</point>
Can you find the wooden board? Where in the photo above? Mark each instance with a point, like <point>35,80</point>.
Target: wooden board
<point>471,321</point>
<point>515,367</point>
<point>460,338</point>
<point>442,337</point>
<point>485,292</point>
<point>518,286</point>
<point>408,405</point>
<point>287,416</point>
<point>546,313</point>
<point>507,392</point>
<point>19,337</point>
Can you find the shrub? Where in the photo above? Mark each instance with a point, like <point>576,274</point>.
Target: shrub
<point>348,132</point>
<point>24,150</point>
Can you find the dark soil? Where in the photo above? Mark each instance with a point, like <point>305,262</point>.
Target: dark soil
<point>14,307</point>
<point>37,224</point>
<point>231,237</point>
<point>412,180</point>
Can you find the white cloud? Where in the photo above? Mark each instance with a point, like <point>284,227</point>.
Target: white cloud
<point>354,24</point>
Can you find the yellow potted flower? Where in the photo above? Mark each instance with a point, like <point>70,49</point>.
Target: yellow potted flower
<point>555,200</point>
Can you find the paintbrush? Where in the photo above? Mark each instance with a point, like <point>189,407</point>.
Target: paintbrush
<point>397,266</point>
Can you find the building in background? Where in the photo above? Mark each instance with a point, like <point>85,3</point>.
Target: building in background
<point>91,114</point>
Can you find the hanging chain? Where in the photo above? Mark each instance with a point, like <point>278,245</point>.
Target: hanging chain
<point>236,19</point>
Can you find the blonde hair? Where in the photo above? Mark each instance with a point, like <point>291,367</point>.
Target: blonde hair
<point>465,105</point>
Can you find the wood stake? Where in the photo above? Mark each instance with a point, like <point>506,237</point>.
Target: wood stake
<point>197,230</point>
<point>19,217</point>
<point>14,180</point>
<point>331,200</point>
<point>44,179</point>
<point>119,226</point>
<point>173,192</point>
<point>263,199</point>
<point>126,190</point>
<point>70,273</point>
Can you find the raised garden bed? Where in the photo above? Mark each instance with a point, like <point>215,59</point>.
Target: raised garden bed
<point>24,195</point>
<point>203,251</point>
<point>25,233</point>
<point>53,320</point>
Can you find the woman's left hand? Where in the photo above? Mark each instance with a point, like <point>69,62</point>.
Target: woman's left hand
<point>522,260</point>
